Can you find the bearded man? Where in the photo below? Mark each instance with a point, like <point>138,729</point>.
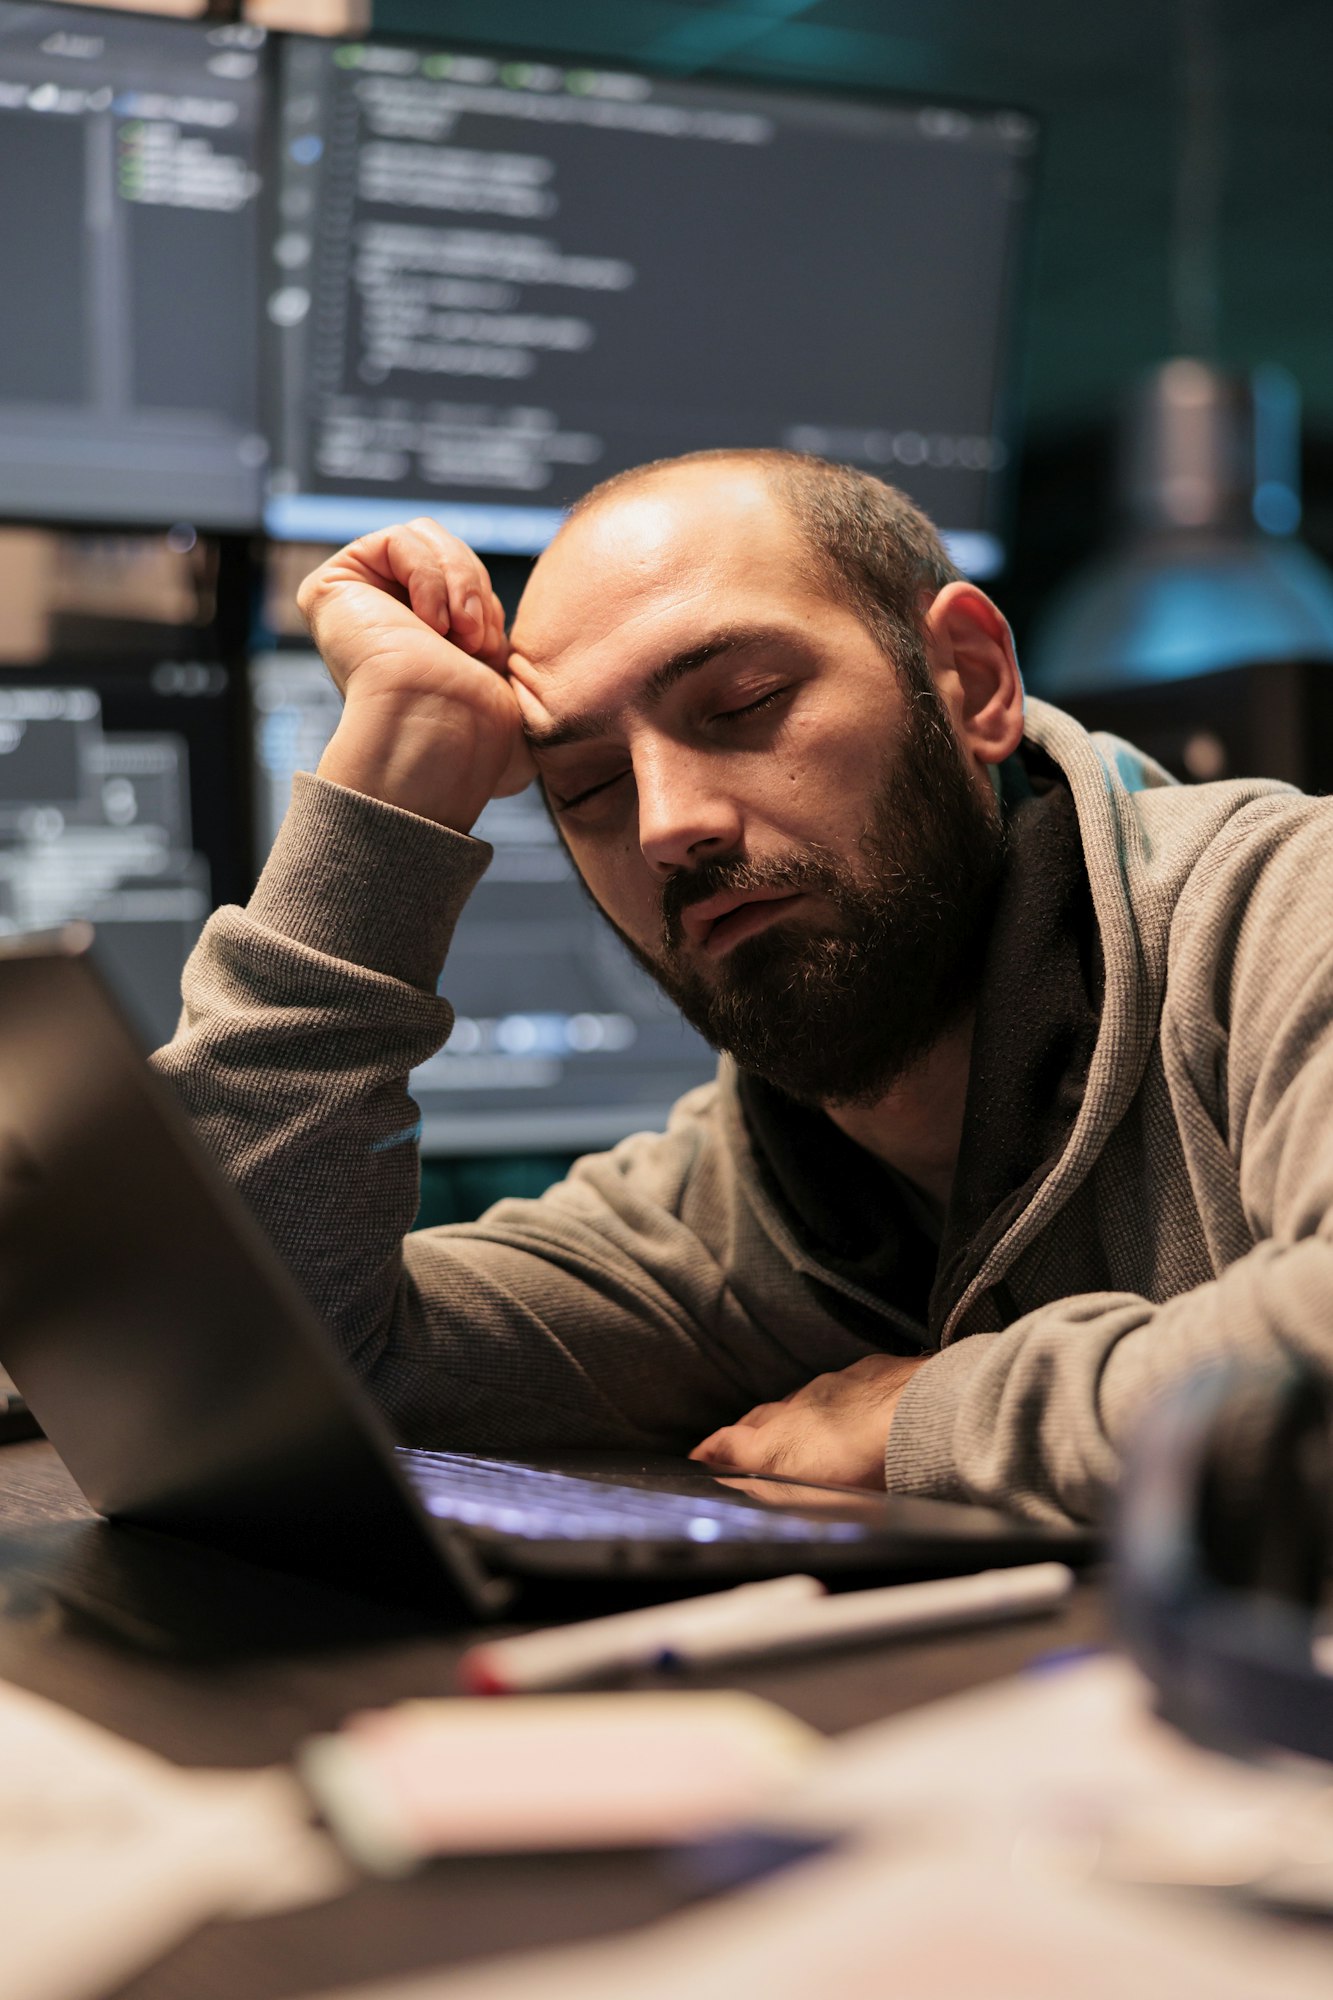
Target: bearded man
<point>1024,1101</point>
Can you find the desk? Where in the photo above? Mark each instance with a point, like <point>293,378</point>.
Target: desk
<point>207,1661</point>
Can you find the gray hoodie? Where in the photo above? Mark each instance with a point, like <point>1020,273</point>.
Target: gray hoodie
<point>658,1293</point>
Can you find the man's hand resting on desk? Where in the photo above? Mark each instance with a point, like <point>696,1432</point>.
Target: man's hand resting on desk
<point>429,722</point>
<point>833,1430</point>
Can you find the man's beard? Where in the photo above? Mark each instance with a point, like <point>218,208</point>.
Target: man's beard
<point>838,1010</point>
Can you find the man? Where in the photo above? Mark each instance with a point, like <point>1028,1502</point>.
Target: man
<point>1025,1106</point>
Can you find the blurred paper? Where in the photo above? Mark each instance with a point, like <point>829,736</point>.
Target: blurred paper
<point>912,1928</point>
<point>983,1827</point>
<point>550,1771</point>
<point>139,1851</point>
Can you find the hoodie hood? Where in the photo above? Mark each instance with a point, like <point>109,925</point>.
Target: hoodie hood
<point>1141,834</point>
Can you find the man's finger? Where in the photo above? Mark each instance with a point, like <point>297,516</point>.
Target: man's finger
<point>447,584</point>
<point>442,580</point>
<point>713,1450</point>
<point>739,1449</point>
<point>496,645</point>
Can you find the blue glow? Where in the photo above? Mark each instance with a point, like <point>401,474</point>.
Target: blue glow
<point>339,517</point>
<point>975,553</point>
<point>499,529</point>
<point>1160,614</point>
<point>407,1137</point>
<point>528,1501</point>
<point>307,149</point>
<point>1276,508</point>
<point>1276,503</point>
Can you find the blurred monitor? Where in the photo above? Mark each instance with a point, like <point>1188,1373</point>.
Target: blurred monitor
<point>493,282</point>
<point>311,17</point>
<point>130,248</point>
<point>560,1041</point>
<point>118,802</point>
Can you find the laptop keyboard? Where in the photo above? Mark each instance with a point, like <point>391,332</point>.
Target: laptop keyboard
<point>522,1500</point>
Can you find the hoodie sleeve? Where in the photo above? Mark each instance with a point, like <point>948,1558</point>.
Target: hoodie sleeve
<point>1037,1416</point>
<point>607,1313</point>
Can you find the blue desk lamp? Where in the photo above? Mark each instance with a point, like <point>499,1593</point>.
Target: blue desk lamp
<point>1207,572</point>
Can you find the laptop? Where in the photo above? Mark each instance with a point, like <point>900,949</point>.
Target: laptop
<point>180,1374</point>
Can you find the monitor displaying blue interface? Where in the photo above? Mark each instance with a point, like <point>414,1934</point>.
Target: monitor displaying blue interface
<point>560,1042</point>
<point>130,261</point>
<point>492,283</point>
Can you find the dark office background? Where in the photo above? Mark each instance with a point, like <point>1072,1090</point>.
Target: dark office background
<point>1110,86</point>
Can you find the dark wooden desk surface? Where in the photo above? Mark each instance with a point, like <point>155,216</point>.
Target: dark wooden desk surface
<point>207,1661</point>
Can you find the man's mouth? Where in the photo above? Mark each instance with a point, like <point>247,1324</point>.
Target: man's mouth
<point>723,921</point>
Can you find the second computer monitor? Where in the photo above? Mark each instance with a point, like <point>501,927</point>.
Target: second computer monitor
<point>130,157</point>
<point>493,283</point>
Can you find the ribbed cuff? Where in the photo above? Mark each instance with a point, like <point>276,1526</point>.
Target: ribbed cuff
<point>367,882</point>
<point>922,1452</point>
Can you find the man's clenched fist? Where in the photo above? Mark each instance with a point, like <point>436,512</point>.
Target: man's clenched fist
<point>413,634</point>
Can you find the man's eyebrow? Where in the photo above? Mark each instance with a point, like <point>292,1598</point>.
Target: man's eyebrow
<point>582,728</point>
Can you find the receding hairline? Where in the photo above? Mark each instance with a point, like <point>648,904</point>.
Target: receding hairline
<point>753,458</point>
<point>662,471</point>
<point>822,499</point>
<point>640,480</point>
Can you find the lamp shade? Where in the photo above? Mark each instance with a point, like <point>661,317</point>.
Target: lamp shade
<point>1205,572</point>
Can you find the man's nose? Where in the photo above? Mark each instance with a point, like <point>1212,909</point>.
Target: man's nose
<point>686,814</point>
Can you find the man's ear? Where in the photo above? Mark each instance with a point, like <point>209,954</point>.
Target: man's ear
<point>971,653</point>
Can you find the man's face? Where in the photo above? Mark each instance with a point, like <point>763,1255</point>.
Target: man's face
<point>794,847</point>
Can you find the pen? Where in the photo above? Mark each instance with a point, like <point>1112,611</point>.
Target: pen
<point>626,1640</point>
<point>903,1608</point>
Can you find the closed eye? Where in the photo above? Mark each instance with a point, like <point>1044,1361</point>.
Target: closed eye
<point>727,715</point>
<point>752,707</point>
<point>580,798</point>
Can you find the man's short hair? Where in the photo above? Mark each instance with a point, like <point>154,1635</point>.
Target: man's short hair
<point>871,548</point>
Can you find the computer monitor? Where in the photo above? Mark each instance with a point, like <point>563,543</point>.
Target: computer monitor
<point>493,282</point>
<point>560,1043</point>
<point>130,254</point>
<point>119,803</point>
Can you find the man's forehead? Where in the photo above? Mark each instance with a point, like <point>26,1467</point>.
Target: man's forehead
<point>668,550</point>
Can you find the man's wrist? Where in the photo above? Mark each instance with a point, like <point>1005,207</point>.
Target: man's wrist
<point>360,880</point>
<point>407,766</point>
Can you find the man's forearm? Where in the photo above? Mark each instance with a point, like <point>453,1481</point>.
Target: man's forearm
<point>542,1326</point>
<point>1037,1418</point>
<point>304,1015</point>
